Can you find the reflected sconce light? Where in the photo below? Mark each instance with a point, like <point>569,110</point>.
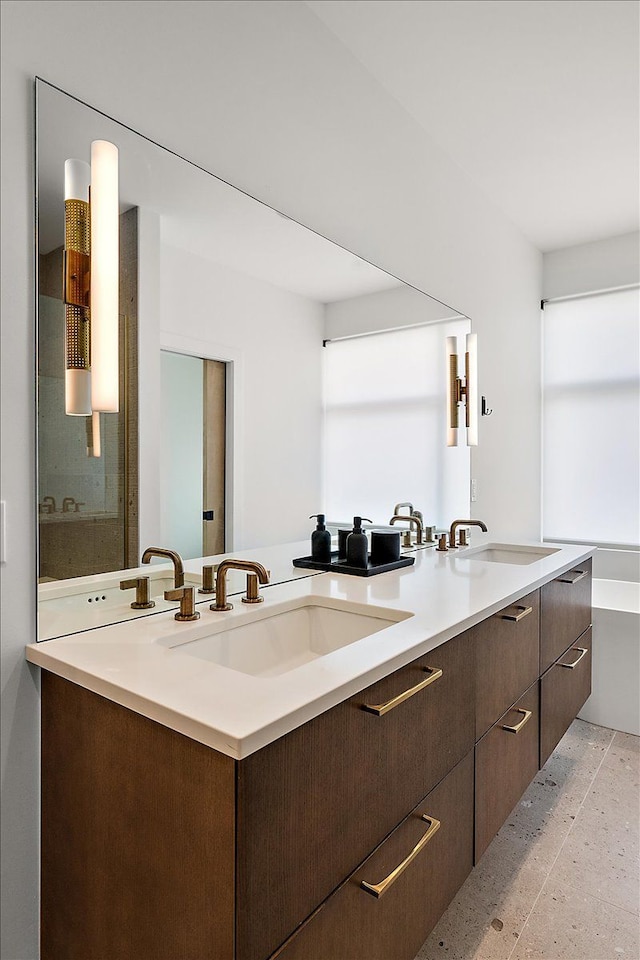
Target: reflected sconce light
<point>93,435</point>
<point>461,391</point>
<point>91,293</point>
<point>76,282</point>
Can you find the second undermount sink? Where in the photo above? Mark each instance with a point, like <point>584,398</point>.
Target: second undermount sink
<point>283,636</point>
<point>509,553</point>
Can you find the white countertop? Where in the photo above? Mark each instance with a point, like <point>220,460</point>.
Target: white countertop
<point>134,665</point>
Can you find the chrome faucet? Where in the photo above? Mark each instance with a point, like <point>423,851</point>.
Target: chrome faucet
<point>409,518</point>
<point>176,559</point>
<point>466,523</point>
<point>253,568</point>
<point>399,506</point>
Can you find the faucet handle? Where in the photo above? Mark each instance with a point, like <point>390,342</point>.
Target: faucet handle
<point>186,597</point>
<point>442,543</point>
<point>143,600</point>
<point>253,590</point>
<point>208,582</point>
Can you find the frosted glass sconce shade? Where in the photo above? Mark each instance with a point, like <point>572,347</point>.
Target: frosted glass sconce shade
<point>91,292</point>
<point>452,391</point>
<point>471,377</point>
<point>104,276</point>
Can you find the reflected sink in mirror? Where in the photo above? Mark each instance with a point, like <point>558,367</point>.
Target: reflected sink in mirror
<point>509,553</point>
<point>284,636</point>
<point>69,606</point>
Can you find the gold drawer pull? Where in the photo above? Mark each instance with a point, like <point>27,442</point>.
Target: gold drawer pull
<point>524,612</point>
<point>583,652</point>
<point>381,708</point>
<point>526,714</point>
<point>574,576</point>
<point>377,889</point>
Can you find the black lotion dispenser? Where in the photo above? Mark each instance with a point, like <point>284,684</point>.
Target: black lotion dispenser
<point>320,540</point>
<point>357,548</point>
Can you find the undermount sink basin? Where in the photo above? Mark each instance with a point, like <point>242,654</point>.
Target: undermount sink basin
<point>284,636</point>
<point>509,553</point>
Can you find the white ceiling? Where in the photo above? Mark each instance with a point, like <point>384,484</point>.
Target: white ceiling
<point>536,100</point>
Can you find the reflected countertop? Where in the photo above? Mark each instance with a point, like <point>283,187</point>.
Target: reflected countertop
<point>134,663</point>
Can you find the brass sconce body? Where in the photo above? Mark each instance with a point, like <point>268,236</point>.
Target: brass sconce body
<point>76,288</point>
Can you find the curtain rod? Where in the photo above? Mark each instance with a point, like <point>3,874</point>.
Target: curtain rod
<point>406,326</point>
<point>589,293</point>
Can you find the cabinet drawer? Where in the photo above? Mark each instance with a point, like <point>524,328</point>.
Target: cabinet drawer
<point>353,924</point>
<point>506,763</point>
<point>565,612</point>
<point>507,652</point>
<point>312,805</point>
<point>563,690</point>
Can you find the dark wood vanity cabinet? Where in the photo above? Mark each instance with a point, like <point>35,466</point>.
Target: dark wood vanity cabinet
<point>156,847</point>
<point>564,688</point>
<point>565,612</point>
<point>507,658</point>
<point>280,830</point>
<point>506,763</point>
<point>137,835</point>
<point>312,805</point>
<point>565,653</point>
<point>358,924</point>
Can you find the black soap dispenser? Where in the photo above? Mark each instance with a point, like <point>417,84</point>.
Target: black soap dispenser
<point>320,540</point>
<point>357,553</point>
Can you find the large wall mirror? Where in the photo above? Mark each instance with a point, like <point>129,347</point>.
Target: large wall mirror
<point>252,359</point>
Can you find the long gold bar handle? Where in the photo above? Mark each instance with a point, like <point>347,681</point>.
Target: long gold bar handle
<point>377,889</point>
<point>524,612</point>
<point>577,575</point>
<point>381,708</point>
<point>583,652</point>
<point>518,727</point>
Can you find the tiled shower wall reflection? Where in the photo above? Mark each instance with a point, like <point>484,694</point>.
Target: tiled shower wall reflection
<point>95,531</point>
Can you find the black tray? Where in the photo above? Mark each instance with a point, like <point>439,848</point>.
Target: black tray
<point>341,566</point>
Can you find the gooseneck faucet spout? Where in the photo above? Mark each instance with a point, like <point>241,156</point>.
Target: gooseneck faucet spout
<point>463,523</point>
<point>176,559</point>
<point>251,566</point>
<point>409,518</point>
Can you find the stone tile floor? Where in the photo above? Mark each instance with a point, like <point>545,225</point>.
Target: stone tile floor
<point>561,881</point>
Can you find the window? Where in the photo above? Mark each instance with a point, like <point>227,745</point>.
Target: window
<point>591,419</point>
<point>385,430</point>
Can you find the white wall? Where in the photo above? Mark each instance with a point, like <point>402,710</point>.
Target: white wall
<point>600,265</point>
<point>273,338</point>
<point>387,309</point>
<point>264,96</point>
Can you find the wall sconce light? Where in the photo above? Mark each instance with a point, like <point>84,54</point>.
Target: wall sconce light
<point>462,391</point>
<point>91,261</point>
<point>77,247</point>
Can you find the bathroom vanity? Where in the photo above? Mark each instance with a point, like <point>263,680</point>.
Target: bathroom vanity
<point>323,803</point>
